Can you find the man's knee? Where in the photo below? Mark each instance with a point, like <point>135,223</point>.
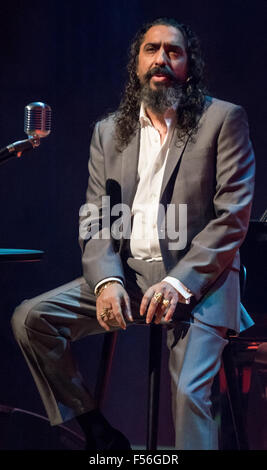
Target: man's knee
<point>194,396</point>
<point>185,392</point>
<point>23,314</point>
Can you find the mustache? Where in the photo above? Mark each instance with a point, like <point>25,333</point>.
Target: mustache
<point>160,70</point>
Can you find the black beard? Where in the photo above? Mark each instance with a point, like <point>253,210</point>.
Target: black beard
<point>163,97</point>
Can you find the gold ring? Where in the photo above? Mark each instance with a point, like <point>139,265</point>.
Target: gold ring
<point>106,312</point>
<point>165,302</point>
<point>157,297</point>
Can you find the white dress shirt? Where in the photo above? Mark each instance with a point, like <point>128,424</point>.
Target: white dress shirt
<point>144,242</point>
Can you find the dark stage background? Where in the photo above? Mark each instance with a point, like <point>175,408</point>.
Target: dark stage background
<point>72,55</point>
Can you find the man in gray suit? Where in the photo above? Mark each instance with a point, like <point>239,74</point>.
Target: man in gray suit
<point>180,167</point>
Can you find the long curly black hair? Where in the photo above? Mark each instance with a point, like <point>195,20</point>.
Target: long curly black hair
<point>193,97</point>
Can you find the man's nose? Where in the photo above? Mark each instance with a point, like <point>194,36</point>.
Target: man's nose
<point>161,57</point>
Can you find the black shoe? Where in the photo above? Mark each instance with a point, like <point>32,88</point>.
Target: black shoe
<point>117,442</point>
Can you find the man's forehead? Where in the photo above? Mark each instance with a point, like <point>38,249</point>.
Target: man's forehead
<point>164,33</point>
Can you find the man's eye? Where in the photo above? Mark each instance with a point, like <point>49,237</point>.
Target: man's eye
<point>174,54</point>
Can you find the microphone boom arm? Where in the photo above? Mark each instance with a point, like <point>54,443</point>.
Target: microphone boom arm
<point>17,148</point>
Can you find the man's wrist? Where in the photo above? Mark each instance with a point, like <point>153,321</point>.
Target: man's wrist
<point>105,283</point>
<point>180,287</point>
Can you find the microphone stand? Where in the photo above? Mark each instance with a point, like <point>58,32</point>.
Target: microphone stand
<point>17,148</point>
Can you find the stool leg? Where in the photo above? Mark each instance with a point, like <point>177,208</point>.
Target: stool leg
<point>235,399</point>
<point>155,347</point>
<point>105,365</point>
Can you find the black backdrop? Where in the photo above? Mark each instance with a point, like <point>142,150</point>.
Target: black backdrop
<point>72,55</point>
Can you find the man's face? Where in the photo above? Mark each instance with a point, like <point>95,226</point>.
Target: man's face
<point>162,58</point>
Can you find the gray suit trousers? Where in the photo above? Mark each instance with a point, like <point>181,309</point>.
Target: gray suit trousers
<point>46,325</point>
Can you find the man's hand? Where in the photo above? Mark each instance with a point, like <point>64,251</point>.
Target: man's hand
<point>152,307</point>
<point>114,298</point>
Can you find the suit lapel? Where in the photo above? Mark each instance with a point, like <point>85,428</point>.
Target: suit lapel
<point>129,180</point>
<point>176,151</point>
<point>129,175</point>
<point>130,156</point>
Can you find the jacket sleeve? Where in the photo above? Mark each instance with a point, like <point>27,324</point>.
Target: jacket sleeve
<point>99,259</point>
<point>214,248</point>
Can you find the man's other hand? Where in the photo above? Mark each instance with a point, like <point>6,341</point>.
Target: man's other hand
<point>114,298</point>
<point>153,308</point>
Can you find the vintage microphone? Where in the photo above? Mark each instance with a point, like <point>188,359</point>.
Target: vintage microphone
<point>37,124</point>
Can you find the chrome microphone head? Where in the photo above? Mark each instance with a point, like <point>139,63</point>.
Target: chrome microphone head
<point>37,119</point>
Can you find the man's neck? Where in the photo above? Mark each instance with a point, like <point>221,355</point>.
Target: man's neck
<point>159,120</point>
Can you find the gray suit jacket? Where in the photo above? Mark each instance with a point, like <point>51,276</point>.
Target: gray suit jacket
<point>213,173</point>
